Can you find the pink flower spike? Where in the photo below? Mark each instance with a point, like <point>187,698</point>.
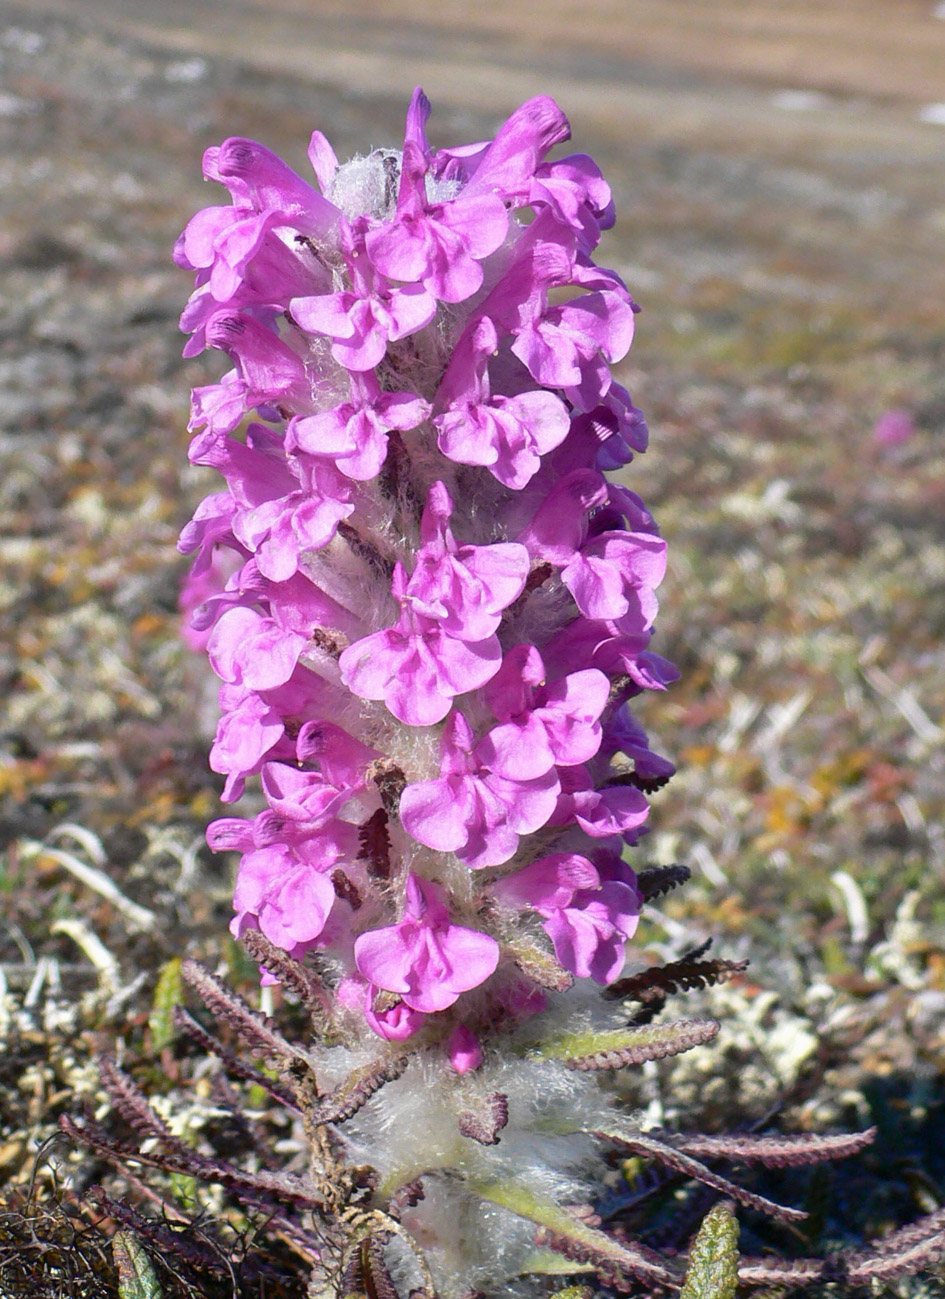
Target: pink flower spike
<point>425,958</point>
<point>463,1049</point>
<point>483,581</point>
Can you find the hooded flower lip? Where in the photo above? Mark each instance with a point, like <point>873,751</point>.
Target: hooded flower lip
<point>485,582</point>
<point>425,958</point>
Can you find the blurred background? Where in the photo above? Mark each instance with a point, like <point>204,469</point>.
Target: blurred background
<point>778,173</point>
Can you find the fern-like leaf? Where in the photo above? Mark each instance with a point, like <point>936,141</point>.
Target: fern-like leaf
<point>713,1259</point>
<point>773,1151</point>
<point>292,974</point>
<point>358,1088</point>
<point>255,1188</point>
<point>909,1250</point>
<point>642,1143</point>
<point>380,1283</point>
<point>662,981</point>
<point>253,1028</point>
<point>232,1063</point>
<point>781,1272</point>
<point>653,881</point>
<point>617,1048</point>
<point>130,1101</point>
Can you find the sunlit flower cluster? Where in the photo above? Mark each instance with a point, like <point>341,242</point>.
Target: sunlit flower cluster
<point>426,605</point>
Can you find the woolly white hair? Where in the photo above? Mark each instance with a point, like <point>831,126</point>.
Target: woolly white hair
<point>410,1130</point>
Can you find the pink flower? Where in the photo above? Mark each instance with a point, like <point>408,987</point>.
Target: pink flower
<point>394,1023</point>
<point>465,588</point>
<point>471,810</point>
<point>425,958</point>
<point>354,434</point>
<point>363,320</point>
<point>417,667</point>
<point>287,893</point>
<point>893,428</point>
<point>463,1049</point>
<point>506,434</point>
<point>541,725</point>
<point>601,813</point>
<point>588,918</point>
<point>610,574</point>
<point>438,244</point>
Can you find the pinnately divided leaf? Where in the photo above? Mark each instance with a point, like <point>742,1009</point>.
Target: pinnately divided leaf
<point>775,1151</point>
<point>616,1048</point>
<point>358,1088</point>
<point>661,981</point>
<point>643,1143</point>
<point>228,1006</point>
<point>656,880</point>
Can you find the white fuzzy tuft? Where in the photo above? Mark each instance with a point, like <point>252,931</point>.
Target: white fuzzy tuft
<point>367,185</point>
<point>411,1130</point>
